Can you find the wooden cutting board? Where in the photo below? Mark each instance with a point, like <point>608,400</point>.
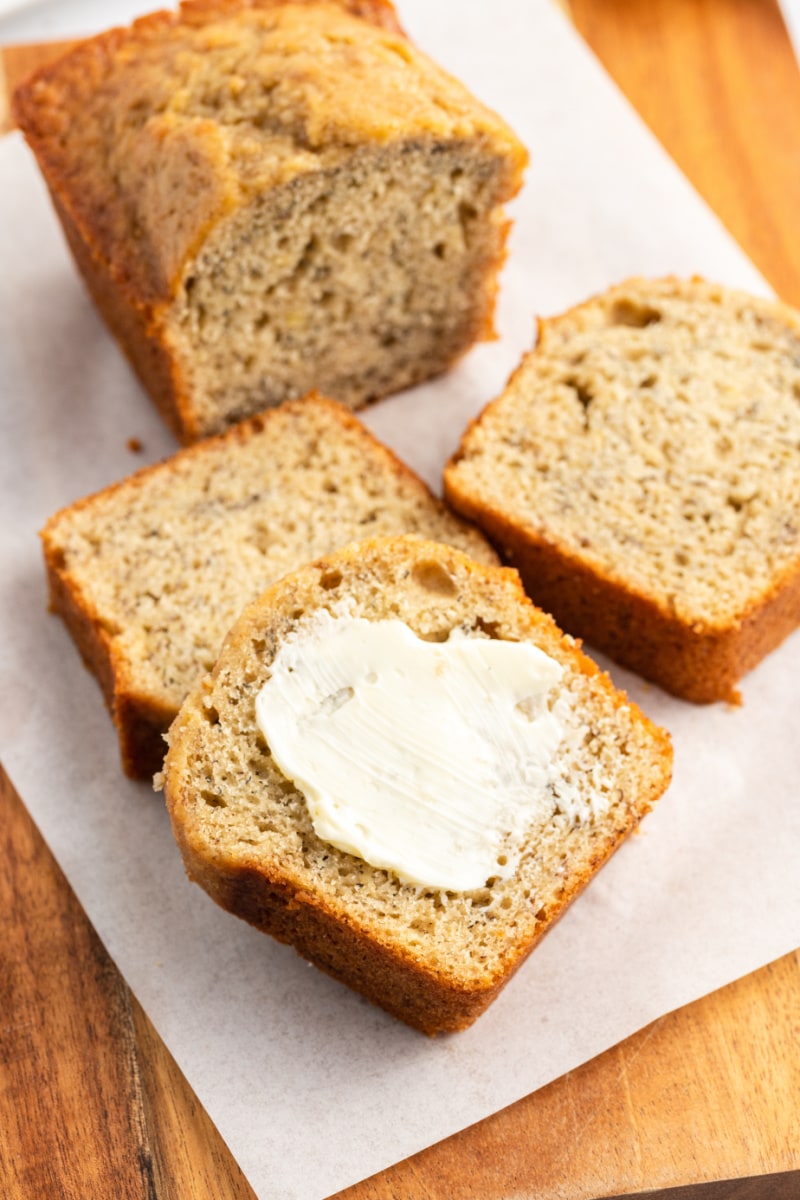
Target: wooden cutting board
<point>91,1103</point>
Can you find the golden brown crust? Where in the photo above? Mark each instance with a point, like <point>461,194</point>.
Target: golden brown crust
<point>378,12</point>
<point>698,658</point>
<point>141,721</point>
<point>696,663</point>
<point>383,974</point>
<point>137,330</point>
<point>42,108</point>
<point>292,915</point>
<point>276,894</point>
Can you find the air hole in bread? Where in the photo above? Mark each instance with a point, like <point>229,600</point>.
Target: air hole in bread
<point>309,251</point>
<point>211,715</point>
<point>212,799</point>
<point>435,578</point>
<point>490,628</point>
<point>467,215</point>
<point>330,580</point>
<point>631,312</point>
<point>584,394</point>
<point>649,381</point>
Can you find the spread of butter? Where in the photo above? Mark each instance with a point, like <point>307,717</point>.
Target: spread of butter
<point>428,759</point>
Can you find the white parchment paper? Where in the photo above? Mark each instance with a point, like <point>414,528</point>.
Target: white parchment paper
<point>311,1087</point>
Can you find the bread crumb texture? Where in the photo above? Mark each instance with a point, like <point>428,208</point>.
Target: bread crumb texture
<point>433,958</point>
<point>156,569</point>
<point>651,442</point>
<point>268,197</point>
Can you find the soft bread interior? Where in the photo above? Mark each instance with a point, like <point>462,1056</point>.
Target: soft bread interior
<point>653,435</point>
<point>362,278</point>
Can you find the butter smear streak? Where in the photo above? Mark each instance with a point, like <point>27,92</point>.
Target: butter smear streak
<point>427,759</point>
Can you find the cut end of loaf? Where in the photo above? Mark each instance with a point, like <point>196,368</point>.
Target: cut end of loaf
<point>433,958</point>
<point>360,280</point>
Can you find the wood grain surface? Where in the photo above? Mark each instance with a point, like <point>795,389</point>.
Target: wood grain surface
<point>92,1104</point>
<point>717,82</point>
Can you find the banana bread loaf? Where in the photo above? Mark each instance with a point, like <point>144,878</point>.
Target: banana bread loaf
<point>642,471</point>
<point>433,955</point>
<point>268,197</point>
<point>149,574</point>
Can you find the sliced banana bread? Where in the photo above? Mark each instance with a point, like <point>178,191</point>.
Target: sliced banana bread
<point>268,197</point>
<point>435,957</point>
<point>149,574</point>
<point>642,471</point>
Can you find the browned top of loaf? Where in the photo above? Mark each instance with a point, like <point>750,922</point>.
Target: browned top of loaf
<point>228,99</point>
<point>653,435</point>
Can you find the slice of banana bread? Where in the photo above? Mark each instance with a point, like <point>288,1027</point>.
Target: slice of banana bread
<point>435,958</point>
<point>642,471</point>
<point>149,574</point>
<point>268,197</point>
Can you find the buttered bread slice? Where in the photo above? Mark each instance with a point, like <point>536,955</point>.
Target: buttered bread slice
<point>401,767</point>
<point>150,574</point>
<point>642,471</point>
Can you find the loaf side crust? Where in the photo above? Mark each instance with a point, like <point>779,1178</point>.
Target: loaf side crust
<point>141,719</point>
<point>699,663</point>
<point>137,328</point>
